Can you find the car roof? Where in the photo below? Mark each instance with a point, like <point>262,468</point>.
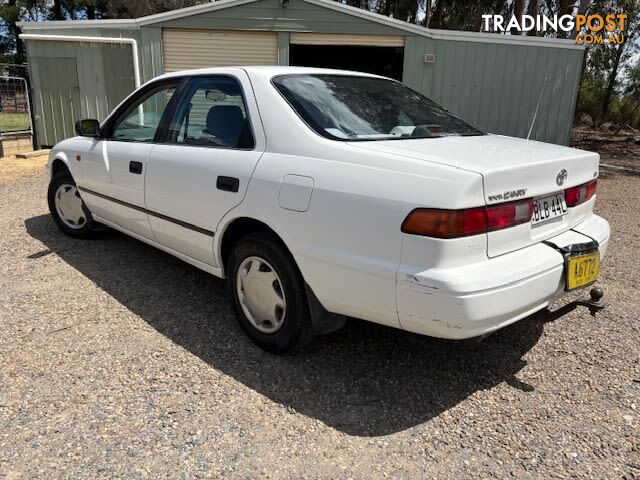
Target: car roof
<point>266,71</point>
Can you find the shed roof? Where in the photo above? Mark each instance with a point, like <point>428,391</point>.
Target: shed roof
<point>456,35</point>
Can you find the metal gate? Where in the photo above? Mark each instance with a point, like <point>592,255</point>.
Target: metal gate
<point>16,130</point>
<point>15,109</point>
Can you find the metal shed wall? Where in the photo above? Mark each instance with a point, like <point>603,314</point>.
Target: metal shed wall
<point>297,16</point>
<point>103,76</point>
<point>497,86</point>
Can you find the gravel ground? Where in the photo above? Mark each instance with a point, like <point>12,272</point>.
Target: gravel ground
<point>119,361</point>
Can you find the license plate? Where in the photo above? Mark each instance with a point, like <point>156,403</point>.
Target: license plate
<point>582,270</point>
<point>548,208</point>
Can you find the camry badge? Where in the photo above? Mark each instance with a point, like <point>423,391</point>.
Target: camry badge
<point>562,176</point>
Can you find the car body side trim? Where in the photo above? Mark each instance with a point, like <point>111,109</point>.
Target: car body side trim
<point>190,260</point>
<point>182,223</point>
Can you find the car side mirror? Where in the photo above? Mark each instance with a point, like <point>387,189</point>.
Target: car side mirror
<point>88,127</point>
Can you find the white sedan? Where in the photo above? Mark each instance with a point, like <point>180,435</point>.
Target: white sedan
<point>322,194</point>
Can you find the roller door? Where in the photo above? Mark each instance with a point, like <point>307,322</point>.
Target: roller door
<point>185,49</point>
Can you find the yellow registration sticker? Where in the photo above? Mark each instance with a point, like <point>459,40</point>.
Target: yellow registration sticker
<point>582,270</point>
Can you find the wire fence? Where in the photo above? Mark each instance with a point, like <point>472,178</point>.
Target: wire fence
<point>15,107</point>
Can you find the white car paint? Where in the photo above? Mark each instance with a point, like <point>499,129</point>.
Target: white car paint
<point>338,207</point>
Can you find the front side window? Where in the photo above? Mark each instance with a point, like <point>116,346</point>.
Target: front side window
<point>212,113</point>
<point>355,108</point>
<point>140,120</point>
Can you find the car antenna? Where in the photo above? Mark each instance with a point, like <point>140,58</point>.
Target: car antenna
<point>535,114</point>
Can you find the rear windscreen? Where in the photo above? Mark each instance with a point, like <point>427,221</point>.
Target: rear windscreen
<point>345,107</point>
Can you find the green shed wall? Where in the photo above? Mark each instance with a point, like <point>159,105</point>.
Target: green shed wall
<point>104,73</point>
<point>297,16</point>
<point>150,46</point>
<point>497,86</point>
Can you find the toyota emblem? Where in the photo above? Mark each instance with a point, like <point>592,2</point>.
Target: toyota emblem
<point>562,176</point>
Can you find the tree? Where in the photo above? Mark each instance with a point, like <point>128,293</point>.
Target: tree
<point>518,12</point>
<point>10,14</point>
<point>141,8</point>
<point>583,9</point>
<point>603,92</point>
<point>613,57</point>
<point>632,91</point>
<point>462,14</point>
<point>56,11</point>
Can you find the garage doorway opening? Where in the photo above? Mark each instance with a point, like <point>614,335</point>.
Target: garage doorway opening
<point>386,61</point>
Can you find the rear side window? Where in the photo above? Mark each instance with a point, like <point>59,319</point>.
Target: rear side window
<point>212,113</point>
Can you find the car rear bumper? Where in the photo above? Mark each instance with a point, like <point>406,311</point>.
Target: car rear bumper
<point>475,299</point>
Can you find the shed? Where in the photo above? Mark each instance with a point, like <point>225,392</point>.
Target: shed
<point>499,83</point>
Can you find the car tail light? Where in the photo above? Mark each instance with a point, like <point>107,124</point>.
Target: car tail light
<point>580,194</point>
<point>440,223</point>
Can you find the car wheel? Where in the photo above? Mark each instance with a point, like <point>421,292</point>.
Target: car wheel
<point>267,291</point>
<point>67,208</point>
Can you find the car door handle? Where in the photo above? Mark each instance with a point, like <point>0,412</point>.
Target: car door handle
<point>135,167</point>
<point>228,184</point>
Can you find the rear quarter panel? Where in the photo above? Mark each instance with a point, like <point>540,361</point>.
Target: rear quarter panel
<point>348,243</point>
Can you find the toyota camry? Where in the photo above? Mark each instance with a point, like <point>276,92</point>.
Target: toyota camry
<point>321,194</point>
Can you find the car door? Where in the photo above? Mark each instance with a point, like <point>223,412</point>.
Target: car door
<point>114,170</point>
<point>202,168</point>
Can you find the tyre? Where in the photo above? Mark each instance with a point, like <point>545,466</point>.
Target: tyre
<point>67,208</point>
<point>268,295</point>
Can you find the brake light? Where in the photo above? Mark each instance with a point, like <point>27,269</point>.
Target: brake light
<point>440,223</point>
<point>580,194</point>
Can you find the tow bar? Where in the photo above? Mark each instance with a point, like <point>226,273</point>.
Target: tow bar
<point>594,304</point>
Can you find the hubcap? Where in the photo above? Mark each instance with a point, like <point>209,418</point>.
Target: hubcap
<point>69,206</point>
<point>261,294</point>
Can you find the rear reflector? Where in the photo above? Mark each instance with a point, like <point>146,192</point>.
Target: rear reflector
<point>576,195</point>
<point>440,223</point>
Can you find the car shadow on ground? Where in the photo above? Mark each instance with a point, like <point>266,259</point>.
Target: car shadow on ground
<point>364,380</point>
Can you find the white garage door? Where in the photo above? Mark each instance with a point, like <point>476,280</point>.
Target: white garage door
<point>184,49</point>
<point>347,39</point>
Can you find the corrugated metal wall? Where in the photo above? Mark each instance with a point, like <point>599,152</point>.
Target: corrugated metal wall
<point>57,100</point>
<point>101,76</point>
<point>497,86</point>
<point>269,15</point>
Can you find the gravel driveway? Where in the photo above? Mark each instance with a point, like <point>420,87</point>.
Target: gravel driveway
<point>119,361</point>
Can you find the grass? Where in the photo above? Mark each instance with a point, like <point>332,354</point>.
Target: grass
<point>13,122</point>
